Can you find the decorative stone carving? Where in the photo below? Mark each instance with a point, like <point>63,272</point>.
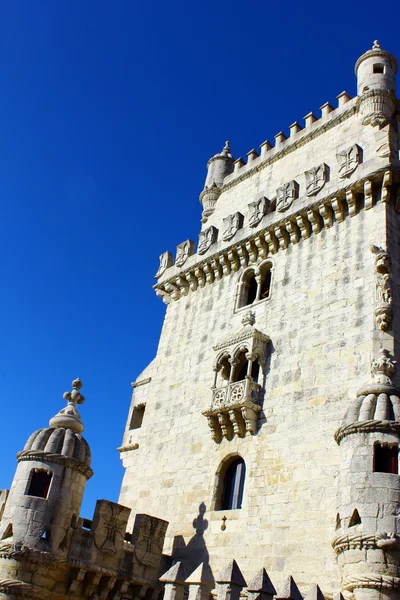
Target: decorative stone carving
<point>316,179</point>
<point>148,537</point>
<point>183,251</point>
<point>109,525</point>
<point>207,238</point>
<point>285,195</point>
<point>166,261</point>
<point>232,224</point>
<point>230,582</point>
<point>257,210</point>
<point>384,299</point>
<point>69,416</point>
<point>349,160</point>
<point>235,404</point>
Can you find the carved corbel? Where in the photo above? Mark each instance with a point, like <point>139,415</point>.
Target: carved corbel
<point>304,225</point>
<point>294,232</point>
<point>272,241</point>
<point>261,247</point>
<point>234,260</point>
<point>315,220</point>
<point>351,202</point>
<point>172,290</point>
<point>226,426</point>
<point>243,256</point>
<point>386,186</point>
<point>216,267</point>
<point>368,198</point>
<point>237,422</point>
<point>183,285</point>
<point>326,213</point>
<point>192,281</point>
<point>250,419</point>
<point>251,250</point>
<point>77,580</point>
<point>209,273</point>
<point>161,293</point>
<point>225,264</point>
<point>201,277</point>
<point>282,236</point>
<point>337,206</point>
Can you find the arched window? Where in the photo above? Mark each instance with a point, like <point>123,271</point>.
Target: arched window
<point>223,370</point>
<point>233,485</point>
<point>255,285</point>
<point>241,366</point>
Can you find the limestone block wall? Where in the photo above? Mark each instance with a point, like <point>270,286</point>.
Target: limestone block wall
<point>320,321</point>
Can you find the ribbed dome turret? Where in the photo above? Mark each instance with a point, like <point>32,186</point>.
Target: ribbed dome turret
<point>59,440</point>
<point>377,406</point>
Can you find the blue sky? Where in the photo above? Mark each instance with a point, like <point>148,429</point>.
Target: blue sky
<point>109,112</point>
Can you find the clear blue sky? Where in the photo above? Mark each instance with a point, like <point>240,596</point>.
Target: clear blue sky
<point>109,112</point>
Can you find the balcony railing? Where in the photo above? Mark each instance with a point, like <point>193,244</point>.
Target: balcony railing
<point>234,409</point>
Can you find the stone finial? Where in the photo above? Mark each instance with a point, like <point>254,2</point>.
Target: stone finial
<point>200,582</point>
<point>69,416</point>
<point>261,588</point>
<point>249,318</point>
<point>289,590</point>
<point>174,580</point>
<point>376,45</point>
<point>226,150</point>
<point>383,368</point>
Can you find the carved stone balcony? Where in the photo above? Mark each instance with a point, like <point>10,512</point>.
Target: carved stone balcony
<point>234,409</point>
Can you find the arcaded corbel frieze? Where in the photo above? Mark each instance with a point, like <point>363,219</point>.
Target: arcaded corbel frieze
<point>282,237</point>
<point>337,206</point>
<point>251,251</point>
<point>327,214</point>
<point>386,186</point>
<point>272,241</point>
<point>304,225</point>
<point>261,246</point>
<point>294,231</point>
<point>368,197</point>
<point>351,202</point>
<point>315,220</point>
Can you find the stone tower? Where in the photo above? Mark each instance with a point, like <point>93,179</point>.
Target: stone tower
<point>236,431</point>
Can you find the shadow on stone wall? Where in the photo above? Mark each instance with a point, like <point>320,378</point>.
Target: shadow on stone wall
<point>195,551</point>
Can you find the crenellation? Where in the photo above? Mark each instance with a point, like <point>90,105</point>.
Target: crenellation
<point>309,119</point>
<point>280,138</point>
<point>326,109</point>
<point>294,128</point>
<point>343,98</point>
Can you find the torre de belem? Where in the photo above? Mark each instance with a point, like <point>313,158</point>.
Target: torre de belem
<point>261,445</point>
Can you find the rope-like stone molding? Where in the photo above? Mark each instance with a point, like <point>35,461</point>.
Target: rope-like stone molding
<point>58,459</point>
<point>277,236</point>
<point>367,427</point>
<point>388,582</point>
<point>360,541</point>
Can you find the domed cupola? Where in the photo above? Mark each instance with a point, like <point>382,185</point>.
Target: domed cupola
<point>366,542</point>
<point>219,166</point>
<point>376,73</point>
<point>49,481</point>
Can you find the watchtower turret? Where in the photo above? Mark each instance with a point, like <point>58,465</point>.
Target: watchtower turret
<point>367,542</point>
<point>219,166</point>
<point>376,85</point>
<point>47,490</point>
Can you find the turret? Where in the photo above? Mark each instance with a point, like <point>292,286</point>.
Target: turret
<point>219,166</point>
<point>376,85</point>
<point>366,540</point>
<point>47,490</point>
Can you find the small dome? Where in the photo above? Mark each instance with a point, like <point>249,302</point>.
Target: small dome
<point>374,403</point>
<point>60,440</point>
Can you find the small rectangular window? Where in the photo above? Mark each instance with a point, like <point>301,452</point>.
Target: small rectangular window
<point>39,484</point>
<point>379,68</point>
<point>137,417</point>
<point>386,459</point>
